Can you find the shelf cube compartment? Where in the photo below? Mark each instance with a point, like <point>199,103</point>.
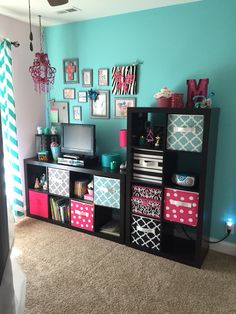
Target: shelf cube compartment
<point>38,204</point>
<point>146,232</point>
<point>82,215</point>
<point>107,192</point>
<point>146,201</point>
<point>185,132</point>
<point>181,206</point>
<point>59,182</point>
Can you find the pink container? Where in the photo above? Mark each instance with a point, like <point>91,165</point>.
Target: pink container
<point>164,102</point>
<point>82,215</point>
<point>38,204</point>
<point>181,206</point>
<point>177,100</point>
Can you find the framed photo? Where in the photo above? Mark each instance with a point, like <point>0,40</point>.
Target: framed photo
<point>69,93</point>
<point>121,106</point>
<point>87,77</point>
<point>71,71</point>
<point>82,96</point>
<point>103,77</point>
<point>60,108</point>
<point>100,108</point>
<point>77,113</point>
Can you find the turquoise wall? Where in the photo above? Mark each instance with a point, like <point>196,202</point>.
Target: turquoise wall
<point>175,43</point>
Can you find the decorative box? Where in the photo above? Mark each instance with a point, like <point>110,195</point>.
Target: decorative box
<point>82,215</point>
<point>185,132</point>
<point>146,201</point>
<point>107,192</point>
<point>58,182</point>
<point>43,155</point>
<point>181,206</point>
<point>38,204</point>
<point>146,232</point>
<point>88,197</point>
<point>148,165</point>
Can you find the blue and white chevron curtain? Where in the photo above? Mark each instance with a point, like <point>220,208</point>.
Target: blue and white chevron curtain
<point>9,132</point>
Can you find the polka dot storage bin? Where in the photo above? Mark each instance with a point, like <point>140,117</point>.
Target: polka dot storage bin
<point>82,215</point>
<point>181,206</point>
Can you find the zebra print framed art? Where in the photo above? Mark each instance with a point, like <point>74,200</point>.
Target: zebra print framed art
<point>124,80</point>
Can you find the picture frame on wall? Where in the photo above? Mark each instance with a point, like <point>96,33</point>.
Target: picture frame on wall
<point>62,107</point>
<point>69,93</point>
<point>82,96</point>
<point>77,113</point>
<point>103,77</point>
<point>71,71</point>
<point>121,105</point>
<point>87,77</point>
<point>100,108</point>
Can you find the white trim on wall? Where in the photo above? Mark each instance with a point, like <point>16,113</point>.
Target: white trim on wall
<point>223,247</point>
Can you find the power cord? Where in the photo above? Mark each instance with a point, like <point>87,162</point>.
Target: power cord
<point>225,237</point>
<point>212,242</point>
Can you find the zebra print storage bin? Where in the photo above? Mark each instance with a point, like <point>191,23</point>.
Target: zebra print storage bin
<point>147,165</point>
<point>146,232</point>
<point>146,201</point>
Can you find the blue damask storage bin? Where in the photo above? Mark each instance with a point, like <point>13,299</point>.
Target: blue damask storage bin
<point>185,132</point>
<point>107,192</point>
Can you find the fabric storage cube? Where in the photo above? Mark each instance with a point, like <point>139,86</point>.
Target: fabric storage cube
<point>146,201</point>
<point>107,192</point>
<point>38,204</point>
<point>146,232</point>
<point>58,182</point>
<point>82,215</point>
<point>181,206</point>
<point>185,132</point>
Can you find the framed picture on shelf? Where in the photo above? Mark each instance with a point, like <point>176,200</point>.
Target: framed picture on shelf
<point>100,108</point>
<point>82,96</point>
<point>121,106</point>
<point>69,93</point>
<point>71,71</point>
<point>60,108</point>
<point>87,77</point>
<point>77,113</point>
<point>103,77</point>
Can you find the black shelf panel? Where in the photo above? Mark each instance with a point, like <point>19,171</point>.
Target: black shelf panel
<point>39,190</point>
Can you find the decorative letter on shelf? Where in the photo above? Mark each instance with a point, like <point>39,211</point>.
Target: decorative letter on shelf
<point>195,89</point>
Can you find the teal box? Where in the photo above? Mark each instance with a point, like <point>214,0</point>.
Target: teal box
<point>106,159</point>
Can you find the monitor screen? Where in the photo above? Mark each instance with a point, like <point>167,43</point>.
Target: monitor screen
<point>78,139</point>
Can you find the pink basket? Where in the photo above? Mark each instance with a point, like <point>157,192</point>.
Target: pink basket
<point>164,102</point>
<point>177,100</point>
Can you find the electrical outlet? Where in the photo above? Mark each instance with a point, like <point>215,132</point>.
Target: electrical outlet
<point>229,227</point>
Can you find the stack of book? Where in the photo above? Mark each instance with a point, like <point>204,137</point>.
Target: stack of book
<point>60,209</point>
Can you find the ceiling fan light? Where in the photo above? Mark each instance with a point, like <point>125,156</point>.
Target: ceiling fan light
<point>55,3</point>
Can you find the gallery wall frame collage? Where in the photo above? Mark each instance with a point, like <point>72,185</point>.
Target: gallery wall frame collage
<point>123,85</point>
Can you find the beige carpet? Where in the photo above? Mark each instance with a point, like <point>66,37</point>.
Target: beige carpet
<point>74,273</point>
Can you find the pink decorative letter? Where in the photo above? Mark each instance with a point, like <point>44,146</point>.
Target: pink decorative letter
<point>195,89</point>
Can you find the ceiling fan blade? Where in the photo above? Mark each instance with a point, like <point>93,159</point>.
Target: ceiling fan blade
<point>55,3</point>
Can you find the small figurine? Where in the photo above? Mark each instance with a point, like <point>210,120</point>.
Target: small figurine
<point>141,140</point>
<point>37,184</point>
<point>90,188</point>
<point>157,144</point>
<point>149,134</point>
<point>53,130</point>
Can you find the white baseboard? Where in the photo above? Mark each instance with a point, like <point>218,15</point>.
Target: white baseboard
<point>223,247</point>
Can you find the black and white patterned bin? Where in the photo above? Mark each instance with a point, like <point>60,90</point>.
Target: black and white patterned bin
<point>146,232</point>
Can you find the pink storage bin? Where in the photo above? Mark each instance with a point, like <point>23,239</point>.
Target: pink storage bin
<point>38,204</point>
<point>181,206</point>
<point>82,215</point>
<point>164,102</point>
